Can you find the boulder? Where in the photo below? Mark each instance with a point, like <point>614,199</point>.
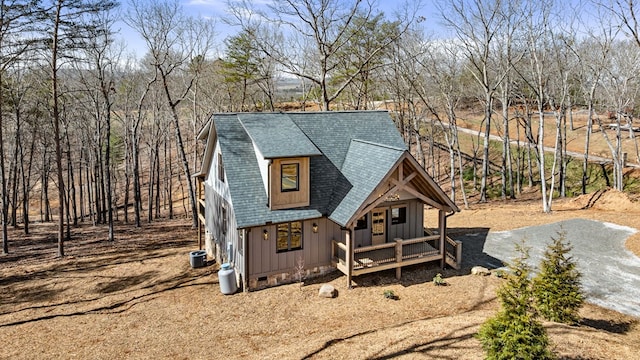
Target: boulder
<point>327,291</point>
<point>480,270</point>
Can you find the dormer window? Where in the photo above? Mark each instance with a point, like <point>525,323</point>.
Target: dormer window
<point>290,177</point>
<point>289,183</point>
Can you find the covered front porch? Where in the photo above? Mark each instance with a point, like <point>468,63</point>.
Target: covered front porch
<point>396,254</point>
<point>387,231</point>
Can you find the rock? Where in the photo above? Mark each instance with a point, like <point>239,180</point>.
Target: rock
<point>327,291</point>
<point>480,270</point>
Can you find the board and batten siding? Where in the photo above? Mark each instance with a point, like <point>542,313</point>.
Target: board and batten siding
<point>279,199</point>
<point>221,222</point>
<point>316,248</point>
<point>413,226</point>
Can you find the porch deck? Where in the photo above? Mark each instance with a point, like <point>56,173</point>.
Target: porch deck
<point>396,254</point>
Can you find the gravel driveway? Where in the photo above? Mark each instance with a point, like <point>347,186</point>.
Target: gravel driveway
<point>610,273</point>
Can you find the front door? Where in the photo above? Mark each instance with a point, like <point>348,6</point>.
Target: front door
<point>378,226</point>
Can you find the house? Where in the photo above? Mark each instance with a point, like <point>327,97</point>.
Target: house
<point>308,192</point>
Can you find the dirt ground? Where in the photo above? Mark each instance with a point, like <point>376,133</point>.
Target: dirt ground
<point>138,298</point>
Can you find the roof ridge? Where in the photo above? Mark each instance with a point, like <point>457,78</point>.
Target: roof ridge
<point>378,144</point>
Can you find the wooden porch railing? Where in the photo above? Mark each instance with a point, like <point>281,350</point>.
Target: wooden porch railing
<point>202,210</point>
<point>453,253</point>
<point>397,254</point>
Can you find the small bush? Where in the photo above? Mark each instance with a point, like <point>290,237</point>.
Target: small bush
<point>514,336</point>
<point>515,332</point>
<point>557,287</point>
<point>438,280</point>
<point>389,294</point>
<point>501,273</point>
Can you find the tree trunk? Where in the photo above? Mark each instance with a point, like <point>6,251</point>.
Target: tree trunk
<point>181,152</point>
<point>137,198</point>
<point>488,109</point>
<point>71,182</point>
<point>541,157</point>
<point>506,148</point>
<point>96,189</point>
<point>127,178</point>
<point>585,163</point>
<point>170,183</point>
<point>81,165</point>
<point>570,109</point>
<point>14,171</point>
<point>26,181</point>
<point>152,181</point>
<point>56,127</point>
<point>87,172</point>
<point>107,114</point>
<point>3,205</point>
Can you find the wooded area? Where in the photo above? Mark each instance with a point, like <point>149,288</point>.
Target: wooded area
<point>113,135</point>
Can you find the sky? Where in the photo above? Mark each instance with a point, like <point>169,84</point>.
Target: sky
<point>216,9</point>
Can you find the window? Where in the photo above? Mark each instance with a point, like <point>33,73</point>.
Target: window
<point>224,219</point>
<point>398,215</point>
<point>220,168</point>
<point>290,177</point>
<point>289,236</point>
<point>361,223</point>
<point>377,222</point>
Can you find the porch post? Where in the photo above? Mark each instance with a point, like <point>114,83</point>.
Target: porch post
<point>349,256</point>
<point>442,228</point>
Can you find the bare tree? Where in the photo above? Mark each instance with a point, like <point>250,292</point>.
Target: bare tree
<point>511,51</point>
<point>102,56</point>
<point>620,84</point>
<point>593,53</point>
<point>476,26</point>
<point>443,64</point>
<point>22,91</point>
<point>538,42</point>
<point>15,16</point>
<point>173,41</point>
<point>67,31</point>
<point>627,14</point>
<point>323,30</point>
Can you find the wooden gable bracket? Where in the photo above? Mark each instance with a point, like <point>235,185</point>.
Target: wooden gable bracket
<point>416,193</point>
<point>398,185</point>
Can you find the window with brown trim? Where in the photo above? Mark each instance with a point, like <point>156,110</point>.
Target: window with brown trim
<point>289,236</point>
<point>290,177</point>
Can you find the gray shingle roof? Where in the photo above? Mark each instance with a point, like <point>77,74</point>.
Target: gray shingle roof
<point>365,165</point>
<point>273,134</point>
<point>249,198</point>
<point>355,151</point>
<point>332,132</point>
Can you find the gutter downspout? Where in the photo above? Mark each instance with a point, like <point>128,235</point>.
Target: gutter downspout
<point>245,265</point>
